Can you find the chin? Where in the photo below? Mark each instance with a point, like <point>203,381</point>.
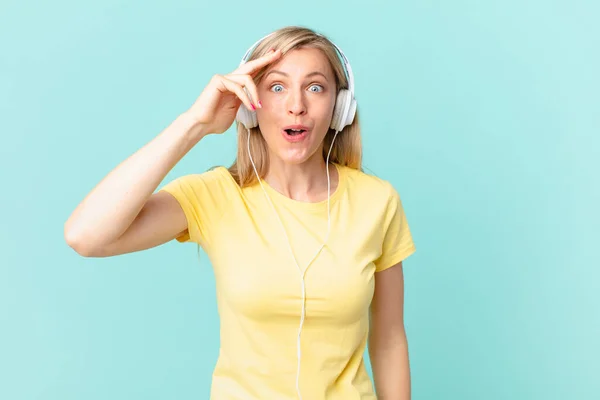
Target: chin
<point>294,156</point>
<point>295,153</point>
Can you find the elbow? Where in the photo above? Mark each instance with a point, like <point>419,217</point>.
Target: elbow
<point>79,244</point>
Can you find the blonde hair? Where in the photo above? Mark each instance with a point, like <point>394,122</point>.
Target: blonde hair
<point>347,149</point>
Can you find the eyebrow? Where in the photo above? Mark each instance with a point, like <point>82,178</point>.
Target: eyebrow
<point>308,76</point>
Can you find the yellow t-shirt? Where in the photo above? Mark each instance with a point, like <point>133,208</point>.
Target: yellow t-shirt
<point>259,287</point>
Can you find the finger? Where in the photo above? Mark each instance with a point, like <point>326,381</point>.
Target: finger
<point>248,83</point>
<point>254,65</point>
<point>238,90</point>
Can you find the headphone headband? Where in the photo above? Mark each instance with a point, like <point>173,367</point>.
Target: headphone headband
<point>342,56</point>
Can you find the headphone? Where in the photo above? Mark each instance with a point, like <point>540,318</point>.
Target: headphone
<point>345,104</point>
<point>343,115</point>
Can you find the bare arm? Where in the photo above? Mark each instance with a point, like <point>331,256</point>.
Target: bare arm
<point>122,213</point>
<point>126,196</point>
<point>388,345</point>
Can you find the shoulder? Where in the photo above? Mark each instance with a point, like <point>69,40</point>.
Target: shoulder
<point>204,198</point>
<point>369,185</point>
<point>215,176</point>
<point>214,184</point>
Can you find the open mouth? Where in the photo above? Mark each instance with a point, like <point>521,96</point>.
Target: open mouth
<point>294,132</point>
<point>293,135</point>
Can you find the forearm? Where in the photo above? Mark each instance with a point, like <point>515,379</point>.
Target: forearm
<point>110,208</point>
<point>391,368</point>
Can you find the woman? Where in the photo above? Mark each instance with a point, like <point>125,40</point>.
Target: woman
<point>307,249</point>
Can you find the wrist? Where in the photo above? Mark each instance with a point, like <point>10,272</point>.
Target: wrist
<point>193,128</point>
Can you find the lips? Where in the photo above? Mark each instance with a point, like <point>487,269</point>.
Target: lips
<point>295,133</point>
<point>295,129</point>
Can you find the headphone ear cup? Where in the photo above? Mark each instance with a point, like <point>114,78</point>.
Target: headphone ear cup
<point>351,112</point>
<point>336,120</point>
<point>343,106</point>
<point>246,117</point>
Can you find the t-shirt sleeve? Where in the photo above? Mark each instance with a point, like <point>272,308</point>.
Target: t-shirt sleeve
<point>203,198</point>
<point>397,240</point>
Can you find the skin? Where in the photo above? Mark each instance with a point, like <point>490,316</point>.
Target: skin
<point>122,214</point>
<point>297,170</point>
<point>388,344</point>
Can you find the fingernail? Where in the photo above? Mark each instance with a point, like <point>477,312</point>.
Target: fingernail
<point>260,104</point>
<point>252,105</point>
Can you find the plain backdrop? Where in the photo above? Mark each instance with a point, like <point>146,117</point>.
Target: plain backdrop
<point>483,114</point>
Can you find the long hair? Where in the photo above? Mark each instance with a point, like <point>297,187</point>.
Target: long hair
<point>347,149</point>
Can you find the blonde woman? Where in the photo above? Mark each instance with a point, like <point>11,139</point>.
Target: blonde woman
<point>307,249</point>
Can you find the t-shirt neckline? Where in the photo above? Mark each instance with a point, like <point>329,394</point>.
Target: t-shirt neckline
<point>276,195</point>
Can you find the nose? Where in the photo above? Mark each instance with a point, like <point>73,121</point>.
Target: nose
<point>296,104</point>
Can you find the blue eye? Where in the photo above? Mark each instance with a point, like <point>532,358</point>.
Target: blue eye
<point>314,91</point>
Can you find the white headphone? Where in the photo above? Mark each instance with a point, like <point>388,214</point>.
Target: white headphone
<point>345,104</point>
<point>343,115</point>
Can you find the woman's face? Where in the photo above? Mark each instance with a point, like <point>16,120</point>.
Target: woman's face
<point>298,89</point>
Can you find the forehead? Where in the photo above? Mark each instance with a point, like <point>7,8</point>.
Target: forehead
<point>302,61</point>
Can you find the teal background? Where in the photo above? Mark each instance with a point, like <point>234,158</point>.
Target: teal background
<point>484,115</point>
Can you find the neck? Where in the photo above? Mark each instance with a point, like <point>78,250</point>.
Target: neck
<point>303,182</point>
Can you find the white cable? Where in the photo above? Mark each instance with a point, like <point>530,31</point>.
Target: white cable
<point>302,273</point>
